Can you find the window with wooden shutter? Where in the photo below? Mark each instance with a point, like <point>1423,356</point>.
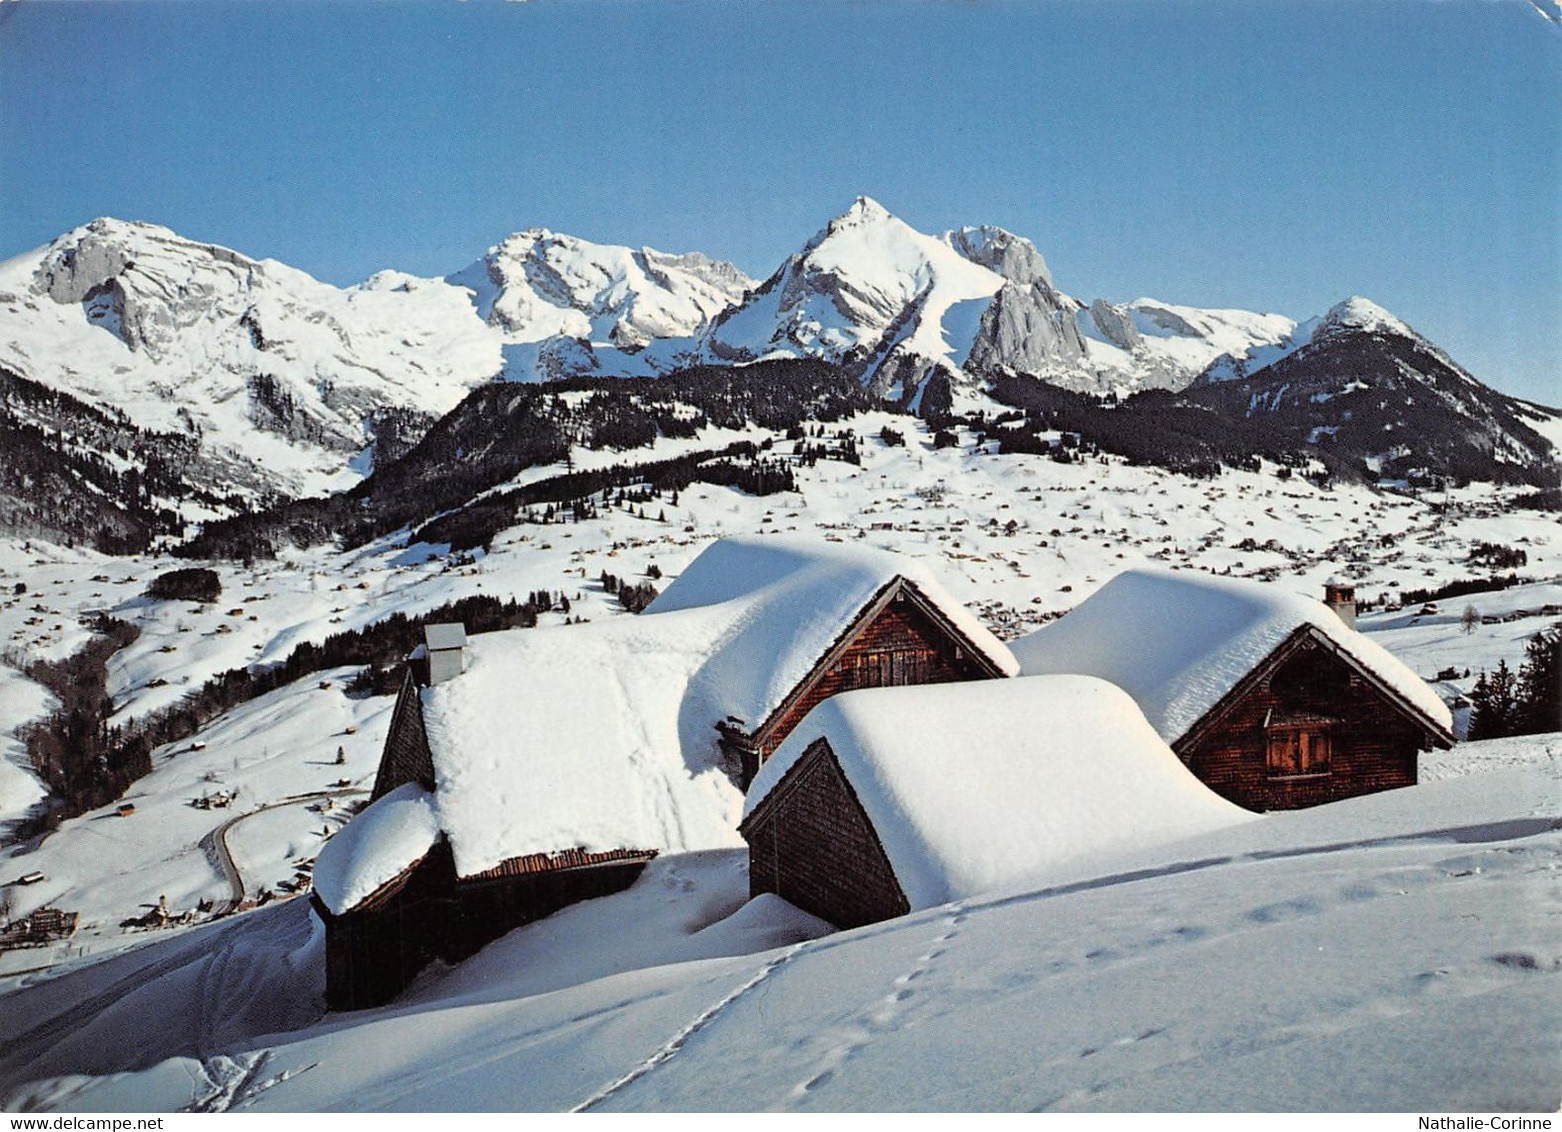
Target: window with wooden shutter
<point>1299,746</point>
<point>891,668</point>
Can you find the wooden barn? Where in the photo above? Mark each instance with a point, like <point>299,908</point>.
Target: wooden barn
<point>1271,699</point>
<point>860,817</point>
<point>392,901</point>
<point>817,620</point>
<point>553,763</point>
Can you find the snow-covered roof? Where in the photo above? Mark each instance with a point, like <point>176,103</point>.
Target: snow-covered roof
<point>1178,642</point>
<point>602,736</point>
<point>375,847</point>
<point>986,785</point>
<point>786,601</point>
<point>575,737</point>
<point>445,635</point>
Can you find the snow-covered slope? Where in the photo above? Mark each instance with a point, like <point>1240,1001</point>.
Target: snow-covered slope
<point>1413,1000</point>
<point>566,307</point>
<point>871,292</point>
<point>276,374</point>
<point>1390,953</point>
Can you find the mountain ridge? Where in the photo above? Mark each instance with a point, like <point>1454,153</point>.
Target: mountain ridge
<point>266,384</point>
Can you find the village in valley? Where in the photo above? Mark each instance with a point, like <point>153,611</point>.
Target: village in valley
<point>824,718</point>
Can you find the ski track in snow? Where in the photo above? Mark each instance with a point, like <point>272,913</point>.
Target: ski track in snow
<point>61,1026</point>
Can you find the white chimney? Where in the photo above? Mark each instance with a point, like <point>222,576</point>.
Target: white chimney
<point>1340,596</point>
<point>446,650</point>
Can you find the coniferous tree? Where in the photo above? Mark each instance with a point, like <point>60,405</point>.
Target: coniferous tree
<point>1494,703</point>
<point>1540,683</point>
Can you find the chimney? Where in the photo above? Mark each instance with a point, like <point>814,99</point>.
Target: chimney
<point>444,648</point>
<point>1340,596</point>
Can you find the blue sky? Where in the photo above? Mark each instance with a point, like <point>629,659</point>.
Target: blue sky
<point>1274,155</point>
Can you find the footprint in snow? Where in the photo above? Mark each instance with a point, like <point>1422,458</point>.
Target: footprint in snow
<point>1285,910</point>
<point>1524,961</point>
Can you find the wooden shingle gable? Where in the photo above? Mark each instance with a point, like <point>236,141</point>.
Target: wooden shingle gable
<point>812,843</point>
<point>897,589</point>
<point>1302,638</point>
<point>406,756</point>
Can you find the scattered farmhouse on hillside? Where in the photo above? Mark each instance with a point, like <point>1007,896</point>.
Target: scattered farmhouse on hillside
<point>887,801</point>
<point>1269,698</point>
<point>552,763</point>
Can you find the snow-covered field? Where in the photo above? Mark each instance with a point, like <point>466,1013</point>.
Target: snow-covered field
<point>1074,527</point>
<point>1172,987</point>
<point>1393,952</point>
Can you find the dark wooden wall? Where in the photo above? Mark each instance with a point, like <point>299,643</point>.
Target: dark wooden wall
<point>1374,746</point>
<point>899,626</point>
<point>406,757</point>
<point>811,843</point>
<point>373,953</point>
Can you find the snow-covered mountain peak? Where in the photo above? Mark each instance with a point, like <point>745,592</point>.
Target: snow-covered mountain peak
<point>1358,313</point>
<point>866,221</point>
<point>864,210</point>
<point>868,291</point>
<point>274,374</point>
<point>537,286</point>
<point>1355,315</point>
<point>141,281</point>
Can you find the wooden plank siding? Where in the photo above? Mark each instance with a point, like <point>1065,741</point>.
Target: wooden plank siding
<point>406,757</point>
<point>811,843</point>
<point>899,638</point>
<point>1362,739</point>
<point>374,950</point>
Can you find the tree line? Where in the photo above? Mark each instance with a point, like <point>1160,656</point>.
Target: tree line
<point>1526,702</point>
<point>87,761</point>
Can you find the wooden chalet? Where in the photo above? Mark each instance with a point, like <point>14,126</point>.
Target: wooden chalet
<point>381,932</point>
<point>554,763</point>
<point>857,817</point>
<point>820,620</point>
<point>900,637</point>
<point>1272,700</point>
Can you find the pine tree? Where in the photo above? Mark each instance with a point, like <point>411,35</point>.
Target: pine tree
<point>1494,704</point>
<point>1540,683</point>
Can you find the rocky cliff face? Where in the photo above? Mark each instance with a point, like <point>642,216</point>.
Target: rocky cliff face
<point>1029,326</point>
<point>270,372</point>
<point>566,307</point>
<point>871,292</point>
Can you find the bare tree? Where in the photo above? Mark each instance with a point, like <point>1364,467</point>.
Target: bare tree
<point>1469,619</point>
